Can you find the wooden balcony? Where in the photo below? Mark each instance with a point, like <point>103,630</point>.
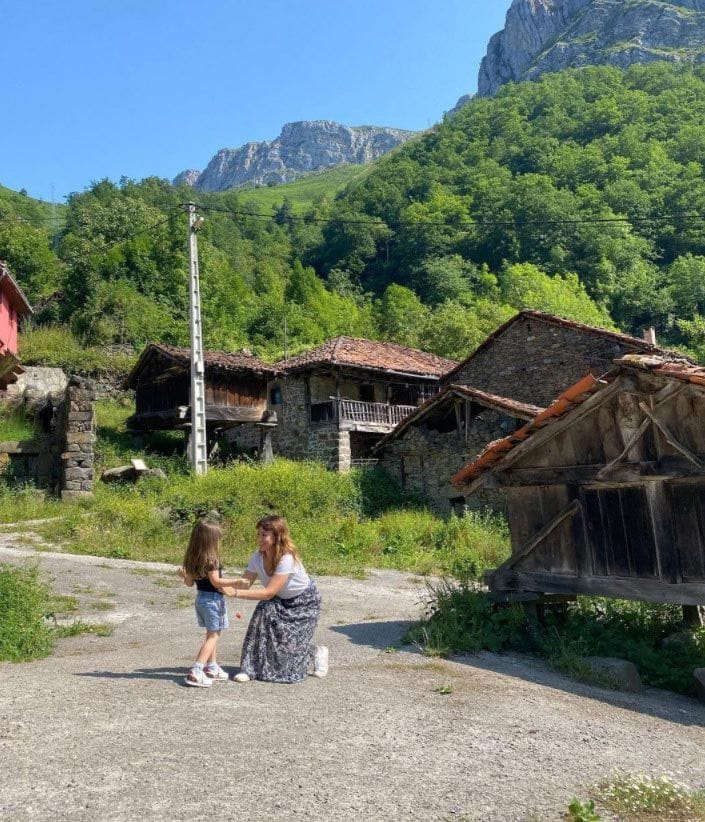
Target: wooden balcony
<point>355,415</point>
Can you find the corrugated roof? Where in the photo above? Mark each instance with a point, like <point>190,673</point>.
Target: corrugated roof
<point>551,319</point>
<point>370,355</point>
<point>221,360</point>
<point>512,407</point>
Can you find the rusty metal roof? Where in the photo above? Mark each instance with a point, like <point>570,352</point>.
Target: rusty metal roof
<point>370,355</point>
<point>218,360</point>
<point>508,406</point>
<point>551,319</point>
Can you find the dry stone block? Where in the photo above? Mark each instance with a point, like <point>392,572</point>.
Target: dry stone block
<point>620,673</point>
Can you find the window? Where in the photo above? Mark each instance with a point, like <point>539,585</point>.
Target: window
<point>275,395</point>
<point>367,392</point>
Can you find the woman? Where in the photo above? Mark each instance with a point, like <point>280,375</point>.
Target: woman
<point>278,645</point>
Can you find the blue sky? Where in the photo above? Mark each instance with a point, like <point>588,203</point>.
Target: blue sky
<point>106,88</point>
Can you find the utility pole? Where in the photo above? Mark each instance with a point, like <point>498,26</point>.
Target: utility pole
<point>197,442</point>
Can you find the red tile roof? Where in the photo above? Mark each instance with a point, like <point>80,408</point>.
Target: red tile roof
<point>370,355</point>
<point>551,319</point>
<point>576,394</point>
<point>511,407</point>
<point>682,369</point>
<point>219,360</point>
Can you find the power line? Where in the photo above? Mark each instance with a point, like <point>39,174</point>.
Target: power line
<point>476,221</point>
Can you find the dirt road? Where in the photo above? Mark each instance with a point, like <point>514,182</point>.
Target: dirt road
<point>104,728</point>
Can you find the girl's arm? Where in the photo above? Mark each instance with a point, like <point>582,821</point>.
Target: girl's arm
<point>240,582</point>
<point>275,584</point>
<point>185,576</point>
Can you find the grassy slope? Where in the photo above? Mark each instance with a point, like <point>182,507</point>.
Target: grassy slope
<point>305,190</point>
<point>37,212</point>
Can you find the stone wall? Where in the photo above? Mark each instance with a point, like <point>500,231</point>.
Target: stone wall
<point>291,436</point>
<point>534,361</point>
<point>75,429</point>
<point>423,460</point>
<point>329,445</point>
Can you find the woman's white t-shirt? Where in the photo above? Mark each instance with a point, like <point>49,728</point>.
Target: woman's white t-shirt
<point>298,580</point>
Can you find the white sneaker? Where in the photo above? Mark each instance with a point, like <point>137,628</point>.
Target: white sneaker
<point>320,661</point>
<point>216,674</point>
<point>241,677</point>
<point>197,678</point>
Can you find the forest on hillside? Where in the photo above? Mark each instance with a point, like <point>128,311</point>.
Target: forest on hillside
<point>580,194</point>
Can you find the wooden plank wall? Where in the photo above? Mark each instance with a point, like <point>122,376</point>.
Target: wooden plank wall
<point>237,394</point>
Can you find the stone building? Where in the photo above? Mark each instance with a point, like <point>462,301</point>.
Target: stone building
<point>334,403</point>
<point>515,372</point>
<point>442,435</point>
<point>533,357</point>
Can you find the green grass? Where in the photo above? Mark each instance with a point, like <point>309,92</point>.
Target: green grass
<point>304,191</point>
<point>37,212</point>
<point>29,612</point>
<point>640,798</point>
<point>24,600</point>
<point>15,425</point>
<point>55,346</point>
<point>326,511</point>
<point>461,619</point>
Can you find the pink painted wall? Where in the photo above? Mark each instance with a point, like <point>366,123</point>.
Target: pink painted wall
<point>8,325</point>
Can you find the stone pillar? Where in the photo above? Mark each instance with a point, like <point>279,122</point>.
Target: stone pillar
<point>78,434</point>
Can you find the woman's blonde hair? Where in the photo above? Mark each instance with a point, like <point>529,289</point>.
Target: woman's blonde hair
<point>203,554</point>
<point>283,543</point>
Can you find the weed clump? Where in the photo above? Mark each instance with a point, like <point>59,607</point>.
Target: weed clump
<point>24,633</point>
<point>460,619</point>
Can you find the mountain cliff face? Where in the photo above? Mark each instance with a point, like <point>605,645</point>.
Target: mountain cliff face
<point>301,147</point>
<point>549,35</point>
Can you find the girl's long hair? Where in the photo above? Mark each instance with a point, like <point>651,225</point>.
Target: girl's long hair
<point>283,543</point>
<point>203,554</point>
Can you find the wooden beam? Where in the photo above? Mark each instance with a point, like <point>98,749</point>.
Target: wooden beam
<point>570,510</point>
<point>647,590</point>
<point>670,438</point>
<point>558,424</point>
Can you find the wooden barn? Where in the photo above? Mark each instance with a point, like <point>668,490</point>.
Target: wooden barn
<point>605,488</point>
<point>13,308</point>
<point>236,389</point>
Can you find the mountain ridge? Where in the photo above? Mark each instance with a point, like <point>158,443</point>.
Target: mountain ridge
<point>301,147</point>
<point>549,35</point>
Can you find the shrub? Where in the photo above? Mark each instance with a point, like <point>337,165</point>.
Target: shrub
<point>462,619</point>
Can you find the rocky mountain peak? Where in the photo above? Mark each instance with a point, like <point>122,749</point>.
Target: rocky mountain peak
<point>549,35</point>
<point>302,147</point>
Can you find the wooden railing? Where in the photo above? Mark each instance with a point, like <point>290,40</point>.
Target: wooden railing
<point>372,412</point>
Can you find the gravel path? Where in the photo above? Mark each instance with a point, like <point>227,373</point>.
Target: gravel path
<point>104,728</point>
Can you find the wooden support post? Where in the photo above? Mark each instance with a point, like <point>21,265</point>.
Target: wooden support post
<point>694,616</point>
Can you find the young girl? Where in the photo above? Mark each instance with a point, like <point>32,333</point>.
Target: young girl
<point>202,566</point>
<point>278,646</point>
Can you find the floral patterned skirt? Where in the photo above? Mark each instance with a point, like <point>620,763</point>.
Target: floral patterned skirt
<point>278,645</point>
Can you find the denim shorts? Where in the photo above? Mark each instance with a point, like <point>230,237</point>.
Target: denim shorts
<point>211,611</point>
